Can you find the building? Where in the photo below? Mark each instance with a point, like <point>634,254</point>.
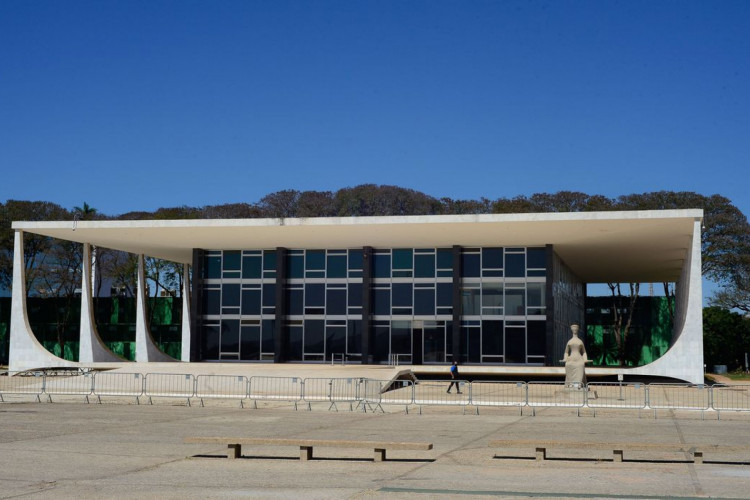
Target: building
<point>495,290</point>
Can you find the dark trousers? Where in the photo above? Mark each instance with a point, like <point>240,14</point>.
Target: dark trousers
<point>454,382</point>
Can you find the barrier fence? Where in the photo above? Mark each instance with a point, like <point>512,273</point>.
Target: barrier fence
<point>372,394</point>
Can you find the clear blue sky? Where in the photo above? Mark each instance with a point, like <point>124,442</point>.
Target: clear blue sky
<point>136,105</point>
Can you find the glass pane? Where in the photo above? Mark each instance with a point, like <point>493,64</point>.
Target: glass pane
<point>251,302</point>
<point>315,260</point>
<point>492,298</point>
<point>336,266</point>
<point>401,337</point>
<point>381,338</point>
<point>470,301</point>
<point>294,301</point>
<point>314,336</point>
<point>354,336</point>
<point>445,258</point>
<point>514,302</point>
<point>211,335</point>
<point>212,267</point>
<point>515,265</point>
<point>536,294</point>
<point>295,267</point>
<point>269,260</point>
<point>537,338</point>
<point>251,267</point>
<point>355,259</point>
<point>402,295</point>
<point>230,336</point>
<point>295,343</point>
<point>492,338</point>
<point>232,260</point>
<point>402,258</point>
<point>492,258</point>
<point>230,295</point>
<point>381,265</point>
<point>424,266</point>
<point>335,340</point>
<point>536,258</point>
<point>355,294</point>
<point>269,295</point>
<point>315,295</point>
<point>336,301</point>
<point>211,301</point>
<point>470,265</point>
<point>515,345</point>
<point>445,294</point>
<point>434,344</point>
<point>267,340</point>
<point>381,302</point>
<point>250,343</point>
<point>424,301</point>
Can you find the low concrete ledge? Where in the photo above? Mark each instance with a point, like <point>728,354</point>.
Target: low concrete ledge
<point>306,445</point>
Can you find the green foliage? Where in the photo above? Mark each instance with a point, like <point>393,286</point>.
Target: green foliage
<point>726,338</point>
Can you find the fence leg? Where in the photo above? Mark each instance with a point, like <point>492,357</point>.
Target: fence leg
<point>87,399</point>
<point>202,405</point>
<point>477,409</point>
<point>309,406</point>
<point>49,398</point>
<point>188,401</point>
<point>242,403</point>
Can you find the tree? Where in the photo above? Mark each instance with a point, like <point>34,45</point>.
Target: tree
<point>619,315</point>
<point>726,337</point>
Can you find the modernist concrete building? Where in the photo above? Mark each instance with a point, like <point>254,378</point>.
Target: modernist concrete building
<point>488,290</point>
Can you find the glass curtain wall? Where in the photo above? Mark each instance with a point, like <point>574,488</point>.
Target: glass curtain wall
<point>502,301</point>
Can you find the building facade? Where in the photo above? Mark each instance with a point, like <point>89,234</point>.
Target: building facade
<point>495,290</point>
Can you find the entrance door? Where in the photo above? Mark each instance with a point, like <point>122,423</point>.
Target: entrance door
<point>434,342</point>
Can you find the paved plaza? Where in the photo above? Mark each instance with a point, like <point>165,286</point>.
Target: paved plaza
<point>69,449</point>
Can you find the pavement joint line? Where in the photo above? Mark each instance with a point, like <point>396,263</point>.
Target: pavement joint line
<point>531,494</point>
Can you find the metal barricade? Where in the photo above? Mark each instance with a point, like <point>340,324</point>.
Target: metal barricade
<point>435,392</point>
<point>31,383</point>
<point>169,385</point>
<point>679,397</point>
<point>730,397</point>
<point>616,395</point>
<point>276,389</point>
<point>330,390</point>
<point>222,387</point>
<point>487,393</point>
<point>80,384</point>
<point>118,385</point>
<point>555,394</point>
<point>379,392</point>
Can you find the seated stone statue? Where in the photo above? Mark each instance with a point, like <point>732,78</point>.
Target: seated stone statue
<point>575,360</point>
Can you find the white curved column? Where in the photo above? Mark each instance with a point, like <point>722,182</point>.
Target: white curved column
<point>145,347</point>
<point>684,359</point>
<point>185,313</point>
<point>26,352</point>
<point>91,348</point>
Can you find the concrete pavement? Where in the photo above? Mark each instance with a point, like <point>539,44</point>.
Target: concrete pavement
<point>75,450</point>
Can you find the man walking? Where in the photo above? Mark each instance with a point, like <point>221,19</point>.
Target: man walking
<point>454,378</point>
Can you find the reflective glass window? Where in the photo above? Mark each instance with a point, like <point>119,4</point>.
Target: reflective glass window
<point>211,301</point>
<point>294,298</point>
<point>230,336</point>
<point>536,294</point>
<point>336,266</point>
<point>470,301</point>
<point>402,262</point>
<point>354,336</point>
<point>250,343</point>
<point>401,337</point>
<point>295,266</point>
<point>269,260</point>
<point>314,336</point>
<point>492,338</point>
<point>470,265</point>
<point>381,265</point>
<point>492,298</point>
<point>335,339</point>
<point>402,295</point>
<point>445,294</point>
<point>211,336</point>
<point>492,258</point>
<point>381,302</point>
<point>212,267</point>
<point>232,260</point>
<point>295,342</point>
<point>355,259</point>
<point>267,335</point>
<point>537,338</point>
<point>355,294</point>
<point>515,304</point>
<point>536,258</point>
<point>315,260</point>
<point>269,294</point>
<point>230,295</point>
<point>424,266</point>
<point>445,258</point>
<point>424,301</point>
<point>315,295</point>
<point>251,267</point>
<point>336,301</point>
<point>515,265</point>
<point>251,302</point>
<point>515,345</point>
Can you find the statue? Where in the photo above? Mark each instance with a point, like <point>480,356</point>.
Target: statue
<point>575,360</point>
